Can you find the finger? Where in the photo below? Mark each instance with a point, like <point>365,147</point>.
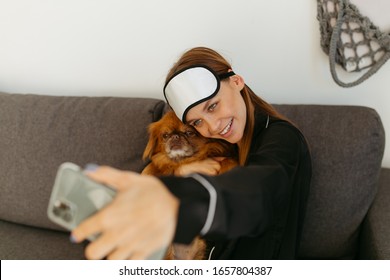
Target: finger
<point>119,237</point>
<point>142,243</point>
<point>122,253</point>
<point>210,172</point>
<point>213,163</point>
<point>101,247</point>
<point>125,250</point>
<point>212,168</point>
<point>148,253</point>
<point>151,248</point>
<point>102,220</point>
<point>150,236</point>
<point>88,227</point>
<point>97,223</point>
<point>219,159</point>
<point>131,238</point>
<point>112,177</point>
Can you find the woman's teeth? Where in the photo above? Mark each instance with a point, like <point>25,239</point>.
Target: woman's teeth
<point>227,128</point>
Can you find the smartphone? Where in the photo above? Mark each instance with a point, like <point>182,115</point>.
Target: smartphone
<point>76,197</point>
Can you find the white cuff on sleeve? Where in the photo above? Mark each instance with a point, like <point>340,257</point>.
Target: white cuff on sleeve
<point>212,203</point>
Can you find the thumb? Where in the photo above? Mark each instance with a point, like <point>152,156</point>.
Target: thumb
<point>114,178</point>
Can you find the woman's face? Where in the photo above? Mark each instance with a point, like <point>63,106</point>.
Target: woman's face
<point>224,115</point>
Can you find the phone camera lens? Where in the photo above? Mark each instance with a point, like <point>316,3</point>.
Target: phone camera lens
<point>62,210</point>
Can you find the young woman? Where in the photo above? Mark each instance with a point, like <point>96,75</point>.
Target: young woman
<point>254,211</point>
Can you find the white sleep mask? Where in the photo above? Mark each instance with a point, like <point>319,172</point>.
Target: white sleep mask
<point>192,86</point>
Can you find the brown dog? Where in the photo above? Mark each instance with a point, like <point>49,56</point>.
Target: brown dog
<point>172,144</point>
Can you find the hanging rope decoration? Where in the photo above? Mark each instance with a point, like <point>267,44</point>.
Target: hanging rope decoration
<point>351,40</point>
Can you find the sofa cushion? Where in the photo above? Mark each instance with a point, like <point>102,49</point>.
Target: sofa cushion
<point>347,145</point>
<point>20,242</point>
<point>38,133</point>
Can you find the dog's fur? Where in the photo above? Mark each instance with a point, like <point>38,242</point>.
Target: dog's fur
<point>172,144</point>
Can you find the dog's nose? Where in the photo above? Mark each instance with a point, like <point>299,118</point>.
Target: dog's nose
<point>175,136</point>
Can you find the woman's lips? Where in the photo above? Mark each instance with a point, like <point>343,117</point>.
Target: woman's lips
<point>227,128</point>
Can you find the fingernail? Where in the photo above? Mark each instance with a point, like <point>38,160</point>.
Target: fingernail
<point>91,167</point>
<point>72,239</point>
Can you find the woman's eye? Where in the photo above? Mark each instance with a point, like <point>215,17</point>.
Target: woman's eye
<point>212,107</point>
<point>196,123</point>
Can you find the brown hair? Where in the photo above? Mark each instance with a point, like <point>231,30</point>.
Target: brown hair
<point>212,59</point>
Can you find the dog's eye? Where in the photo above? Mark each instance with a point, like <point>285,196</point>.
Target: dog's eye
<point>165,135</point>
<point>190,133</point>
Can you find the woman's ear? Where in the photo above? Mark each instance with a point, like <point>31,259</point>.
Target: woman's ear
<point>238,81</point>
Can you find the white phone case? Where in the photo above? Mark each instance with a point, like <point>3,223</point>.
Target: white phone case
<point>76,197</point>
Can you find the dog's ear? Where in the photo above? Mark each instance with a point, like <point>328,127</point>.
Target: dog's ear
<point>152,143</point>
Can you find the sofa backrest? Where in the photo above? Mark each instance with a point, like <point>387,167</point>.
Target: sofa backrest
<point>38,133</point>
<point>347,145</point>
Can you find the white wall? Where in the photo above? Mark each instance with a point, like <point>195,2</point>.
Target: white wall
<point>125,48</point>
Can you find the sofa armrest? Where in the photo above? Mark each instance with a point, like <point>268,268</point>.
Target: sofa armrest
<point>374,239</point>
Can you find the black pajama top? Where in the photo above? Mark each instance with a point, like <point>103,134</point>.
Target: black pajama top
<point>254,211</point>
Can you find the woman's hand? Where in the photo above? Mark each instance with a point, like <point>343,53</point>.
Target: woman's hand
<point>139,221</point>
<point>209,166</point>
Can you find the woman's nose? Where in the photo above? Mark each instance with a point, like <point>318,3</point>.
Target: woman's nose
<point>212,125</point>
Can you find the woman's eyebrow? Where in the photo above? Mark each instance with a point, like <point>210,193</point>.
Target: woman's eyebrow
<point>207,104</point>
<point>204,109</point>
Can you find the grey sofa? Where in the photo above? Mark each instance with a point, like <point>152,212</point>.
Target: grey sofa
<point>348,210</point>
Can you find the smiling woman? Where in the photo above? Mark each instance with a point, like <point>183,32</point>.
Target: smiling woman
<point>210,76</point>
